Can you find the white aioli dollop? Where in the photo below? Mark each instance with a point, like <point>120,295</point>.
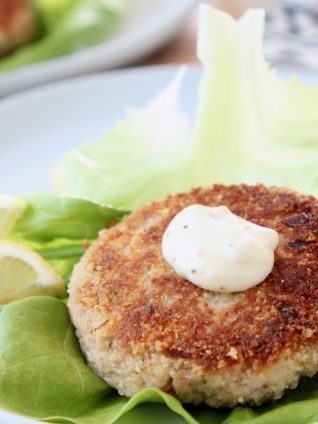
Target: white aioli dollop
<point>217,250</point>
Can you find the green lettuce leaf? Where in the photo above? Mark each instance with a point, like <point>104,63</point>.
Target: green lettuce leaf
<point>51,12</point>
<point>55,227</point>
<point>136,161</point>
<point>43,373</point>
<point>40,355</point>
<point>250,127</point>
<point>67,26</point>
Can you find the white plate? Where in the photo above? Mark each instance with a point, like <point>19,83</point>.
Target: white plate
<point>37,127</point>
<point>148,25</point>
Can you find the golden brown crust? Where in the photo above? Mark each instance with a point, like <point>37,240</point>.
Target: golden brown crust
<point>147,307</point>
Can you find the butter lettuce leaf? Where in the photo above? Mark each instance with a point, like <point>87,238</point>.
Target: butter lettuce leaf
<point>135,162</point>
<point>66,26</point>
<point>251,126</point>
<point>43,375</point>
<point>56,227</point>
<point>40,356</point>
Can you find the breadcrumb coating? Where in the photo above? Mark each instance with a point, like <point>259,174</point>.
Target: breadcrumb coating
<point>142,325</point>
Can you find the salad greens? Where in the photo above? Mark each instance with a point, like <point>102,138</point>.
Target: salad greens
<point>48,378</point>
<point>43,375</point>
<point>55,227</point>
<point>137,161</point>
<point>249,127</point>
<point>66,26</point>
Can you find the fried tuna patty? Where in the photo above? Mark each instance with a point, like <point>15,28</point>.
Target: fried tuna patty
<point>141,325</point>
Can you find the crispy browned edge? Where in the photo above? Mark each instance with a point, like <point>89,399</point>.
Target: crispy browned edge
<point>273,318</point>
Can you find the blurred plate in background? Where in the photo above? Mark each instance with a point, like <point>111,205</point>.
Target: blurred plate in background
<point>148,26</point>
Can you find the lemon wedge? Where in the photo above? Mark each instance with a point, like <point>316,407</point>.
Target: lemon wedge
<point>25,273</point>
<point>11,209</point>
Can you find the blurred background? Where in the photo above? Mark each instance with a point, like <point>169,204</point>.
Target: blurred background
<point>291,33</point>
<point>46,40</point>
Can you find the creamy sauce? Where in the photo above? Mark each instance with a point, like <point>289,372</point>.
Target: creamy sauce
<point>217,250</point>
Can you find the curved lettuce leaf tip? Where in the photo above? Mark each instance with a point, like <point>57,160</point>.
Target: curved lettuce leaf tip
<point>250,126</point>
<point>55,227</point>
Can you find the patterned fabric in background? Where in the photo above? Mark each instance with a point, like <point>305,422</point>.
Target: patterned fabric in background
<point>292,33</point>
